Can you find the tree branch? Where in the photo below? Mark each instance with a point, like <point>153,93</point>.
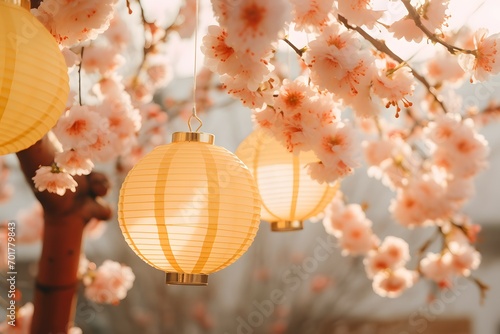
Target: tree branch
<point>382,47</point>
<point>64,220</point>
<point>432,36</point>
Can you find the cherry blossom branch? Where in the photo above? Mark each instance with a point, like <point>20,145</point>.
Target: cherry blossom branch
<point>382,47</point>
<point>432,36</point>
<point>421,251</point>
<point>483,288</point>
<point>64,220</point>
<point>296,49</point>
<point>129,8</point>
<point>149,46</point>
<point>80,77</point>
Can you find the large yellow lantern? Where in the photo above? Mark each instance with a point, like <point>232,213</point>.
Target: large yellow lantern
<point>33,78</point>
<point>289,195</point>
<point>189,208</point>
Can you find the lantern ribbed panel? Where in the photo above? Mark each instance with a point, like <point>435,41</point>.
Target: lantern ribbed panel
<point>288,193</point>
<point>189,207</point>
<point>33,79</point>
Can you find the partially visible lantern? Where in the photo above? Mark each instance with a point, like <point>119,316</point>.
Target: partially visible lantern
<point>289,195</point>
<point>189,208</point>
<point>33,78</point>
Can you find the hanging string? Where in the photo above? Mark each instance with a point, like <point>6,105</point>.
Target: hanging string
<point>194,113</point>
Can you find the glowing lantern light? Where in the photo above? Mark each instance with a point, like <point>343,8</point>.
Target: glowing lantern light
<point>189,208</point>
<point>33,78</point>
<point>289,195</point>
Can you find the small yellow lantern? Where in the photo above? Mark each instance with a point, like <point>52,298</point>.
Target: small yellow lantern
<point>33,78</point>
<point>289,195</point>
<point>189,208</point>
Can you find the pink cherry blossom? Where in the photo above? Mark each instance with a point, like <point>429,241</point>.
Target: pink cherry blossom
<point>84,265</point>
<point>460,190</point>
<point>464,257</point>
<point>319,283</point>
<point>293,97</point>
<point>6,189</point>
<point>254,99</point>
<point>338,216</point>
<point>444,68</point>
<point>220,57</point>
<point>267,118</point>
<point>376,151</point>
<point>407,29</point>
<point>102,59</point>
<point>336,61</point>
<point>110,283</point>
<point>486,59</point>
<point>72,59</point>
<point>357,238</point>
<point>158,72</point>
<point>106,147</point>
<point>30,224</point>
<point>393,283</point>
<point>78,127</point>
<point>437,268</point>
<point>359,12</point>
<point>335,145</point>
<point>422,201</point>
<point>311,15</point>
<point>459,148</point>
<point>186,20</point>
<point>394,85</point>
<point>350,225</point>
<point>95,228</point>
<point>74,163</point>
<point>53,180</point>
<point>72,22</point>
<point>393,253</point>
<point>253,25</point>
<point>118,33</point>
<point>433,15</point>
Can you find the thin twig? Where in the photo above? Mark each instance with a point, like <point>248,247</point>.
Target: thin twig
<point>80,77</point>
<point>296,49</point>
<point>483,288</point>
<point>382,47</point>
<point>432,36</point>
<point>426,246</point>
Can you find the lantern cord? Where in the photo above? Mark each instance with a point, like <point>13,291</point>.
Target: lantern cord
<point>194,113</point>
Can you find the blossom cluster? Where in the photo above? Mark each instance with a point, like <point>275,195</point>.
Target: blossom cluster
<point>106,284</point>
<point>429,158</point>
<point>103,123</point>
<point>384,260</point>
<point>5,188</point>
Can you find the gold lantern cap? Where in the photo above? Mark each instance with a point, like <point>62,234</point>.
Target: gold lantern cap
<point>287,225</point>
<point>201,137</point>
<point>186,279</point>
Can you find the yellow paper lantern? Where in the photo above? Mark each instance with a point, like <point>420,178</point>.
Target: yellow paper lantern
<point>289,195</point>
<point>189,208</point>
<point>33,78</point>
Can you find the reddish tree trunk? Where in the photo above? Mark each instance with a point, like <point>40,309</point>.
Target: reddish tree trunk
<point>65,218</point>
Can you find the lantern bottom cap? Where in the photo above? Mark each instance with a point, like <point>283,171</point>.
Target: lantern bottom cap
<point>186,279</point>
<point>287,225</point>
